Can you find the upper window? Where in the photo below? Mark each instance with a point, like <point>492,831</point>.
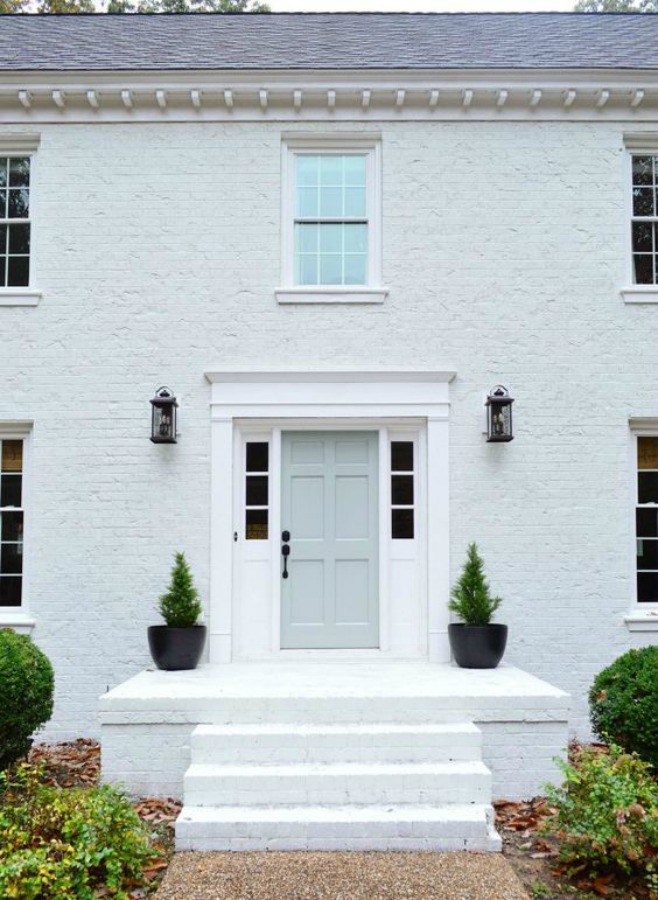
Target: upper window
<point>14,221</point>
<point>12,491</point>
<point>331,220</point>
<point>646,519</point>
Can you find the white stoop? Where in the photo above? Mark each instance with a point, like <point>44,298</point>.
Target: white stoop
<point>348,786</point>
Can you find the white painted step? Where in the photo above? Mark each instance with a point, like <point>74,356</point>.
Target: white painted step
<point>284,744</point>
<point>384,827</point>
<point>337,784</point>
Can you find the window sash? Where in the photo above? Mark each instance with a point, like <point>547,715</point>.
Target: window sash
<point>6,220</point>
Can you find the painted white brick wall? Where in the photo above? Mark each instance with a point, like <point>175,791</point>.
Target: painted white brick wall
<point>157,249</point>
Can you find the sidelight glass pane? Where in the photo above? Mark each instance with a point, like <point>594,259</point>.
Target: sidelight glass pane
<point>12,456</point>
<point>647,522</point>
<point>402,490</point>
<point>256,493</point>
<point>647,453</point>
<point>10,490</point>
<point>647,487</point>
<point>256,527</point>
<point>402,456</point>
<point>10,590</point>
<point>647,587</point>
<point>402,524</point>
<point>258,453</point>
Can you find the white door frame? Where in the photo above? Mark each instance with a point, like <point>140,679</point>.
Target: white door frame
<point>327,400</point>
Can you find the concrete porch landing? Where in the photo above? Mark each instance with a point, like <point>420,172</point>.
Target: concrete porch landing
<point>147,722</point>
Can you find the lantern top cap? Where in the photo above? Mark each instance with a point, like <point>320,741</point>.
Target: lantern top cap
<point>499,393</point>
<point>164,395</point>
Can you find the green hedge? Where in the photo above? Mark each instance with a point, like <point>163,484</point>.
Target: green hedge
<point>27,685</point>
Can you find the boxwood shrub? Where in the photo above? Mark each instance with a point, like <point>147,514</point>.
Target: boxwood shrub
<point>26,694</point>
<point>624,703</point>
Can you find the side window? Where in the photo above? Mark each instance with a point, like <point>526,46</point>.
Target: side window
<point>646,519</point>
<point>14,221</point>
<point>644,224</point>
<point>257,491</point>
<point>11,522</point>
<point>402,490</point>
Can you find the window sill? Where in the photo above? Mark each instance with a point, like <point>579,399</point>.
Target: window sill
<point>331,295</point>
<point>18,621</point>
<point>638,293</point>
<point>19,297</point>
<point>642,621</point>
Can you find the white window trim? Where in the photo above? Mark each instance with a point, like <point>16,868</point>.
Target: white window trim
<point>373,291</point>
<point>635,144</point>
<point>641,616</point>
<point>23,145</point>
<point>18,617</point>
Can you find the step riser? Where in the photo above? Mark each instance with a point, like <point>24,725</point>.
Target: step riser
<point>325,790</point>
<point>335,710</point>
<point>250,844</point>
<point>288,749</point>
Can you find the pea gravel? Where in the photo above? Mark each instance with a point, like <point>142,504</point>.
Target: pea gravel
<point>340,876</point>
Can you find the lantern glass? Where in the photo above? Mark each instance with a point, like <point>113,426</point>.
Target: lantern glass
<point>499,419</point>
<point>163,418</point>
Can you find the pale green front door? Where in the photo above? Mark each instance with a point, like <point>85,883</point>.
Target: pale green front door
<point>329,506</point>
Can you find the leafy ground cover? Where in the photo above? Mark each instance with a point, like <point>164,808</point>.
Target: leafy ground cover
<point>76,764</point>
<point>533,853</point>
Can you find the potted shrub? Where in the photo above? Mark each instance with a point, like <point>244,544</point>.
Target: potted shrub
<point>476,642</point>
<point>178,644</point>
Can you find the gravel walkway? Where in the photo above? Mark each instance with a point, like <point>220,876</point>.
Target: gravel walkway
<point>340,876</point>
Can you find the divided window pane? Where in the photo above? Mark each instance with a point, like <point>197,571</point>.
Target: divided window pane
<point>11,520</point>
<point>644,226</point>
<point>646,519</point>
<point>14,221</point>
<point>330,219</point>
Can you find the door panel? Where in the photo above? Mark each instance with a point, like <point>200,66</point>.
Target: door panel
<point>329,505</point>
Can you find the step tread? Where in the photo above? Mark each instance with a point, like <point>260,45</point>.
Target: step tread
<point>448,728</point>
<point>457,812</point>
<point>302,769</point>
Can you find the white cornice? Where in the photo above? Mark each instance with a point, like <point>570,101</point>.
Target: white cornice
<point>289,96</point>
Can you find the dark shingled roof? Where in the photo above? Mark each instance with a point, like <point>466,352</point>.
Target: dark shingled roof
<point>329,41</point>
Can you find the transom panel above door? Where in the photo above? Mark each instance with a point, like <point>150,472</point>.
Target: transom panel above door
<point>329,507</point>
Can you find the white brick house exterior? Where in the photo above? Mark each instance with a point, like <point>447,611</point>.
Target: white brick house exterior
<point>156,209</point>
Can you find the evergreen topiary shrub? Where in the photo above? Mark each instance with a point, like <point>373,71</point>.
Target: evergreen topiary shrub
<point>624,703</point>
<point>27,685</point>
<point>180,607</point>
<point>471,596</point>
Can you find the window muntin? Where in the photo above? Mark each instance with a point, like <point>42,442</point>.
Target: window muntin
<point>402,490</point>
<point>256,497</point>
<point>15,228</point>
<point>331,219</point>
<point>646,519</point>
<point>11,521</point>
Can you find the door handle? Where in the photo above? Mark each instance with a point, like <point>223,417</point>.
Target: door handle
<point>285,553</point>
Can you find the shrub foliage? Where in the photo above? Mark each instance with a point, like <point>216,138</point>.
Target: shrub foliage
<point>180,607</point>
<point>67,843</point>
<point>26,694</point>
<point>471,597</point>
<point>606,815</point>
<point>624,703</point>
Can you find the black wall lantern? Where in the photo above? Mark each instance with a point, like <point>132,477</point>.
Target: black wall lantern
<point>499,415</point>
<point>163,418</point>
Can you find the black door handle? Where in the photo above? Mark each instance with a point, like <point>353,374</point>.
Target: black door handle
<point>285,536</point>
<point>285,553</point>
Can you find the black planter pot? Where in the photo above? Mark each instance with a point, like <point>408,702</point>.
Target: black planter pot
<point>174,649</point>
<point>477,646</point>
